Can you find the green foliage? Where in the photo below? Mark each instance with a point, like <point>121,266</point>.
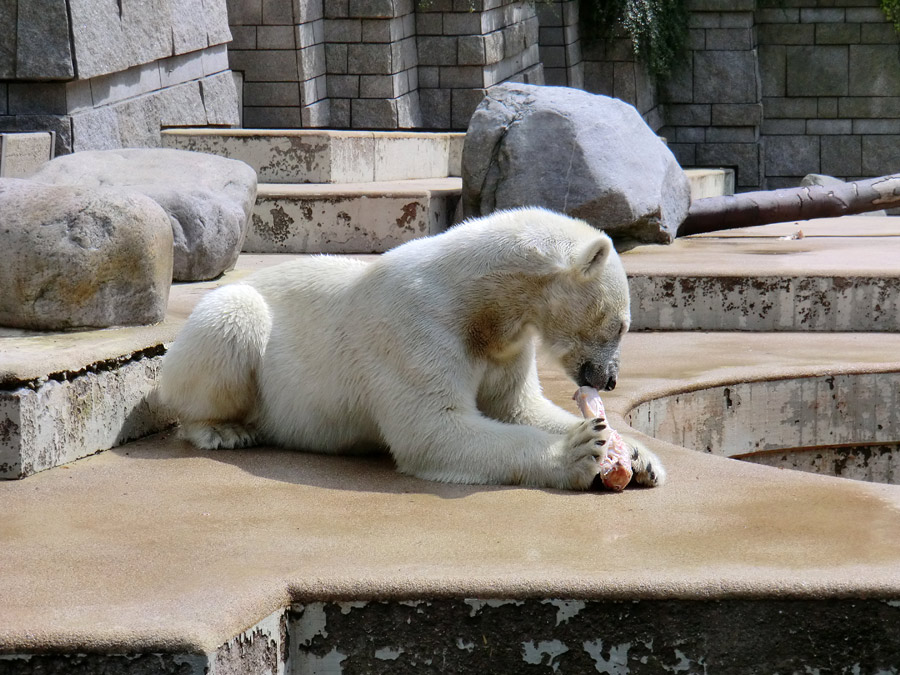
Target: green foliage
<point>658,29</point>
<point>891,9</point>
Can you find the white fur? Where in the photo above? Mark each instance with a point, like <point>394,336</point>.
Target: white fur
<point>429,351</point>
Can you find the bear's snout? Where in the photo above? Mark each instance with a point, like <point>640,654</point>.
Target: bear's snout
<point>591,375</point>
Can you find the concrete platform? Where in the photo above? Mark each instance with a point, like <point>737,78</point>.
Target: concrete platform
<point>157,557</point>
<point>157,548</point>
<point>843,274</point>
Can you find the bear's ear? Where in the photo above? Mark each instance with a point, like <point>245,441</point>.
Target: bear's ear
<point>593,257</point>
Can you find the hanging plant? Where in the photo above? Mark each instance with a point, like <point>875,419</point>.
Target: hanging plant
<point>658,29</point>
<point>891,9</point>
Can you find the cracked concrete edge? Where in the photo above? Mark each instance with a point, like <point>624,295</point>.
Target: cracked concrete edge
<point>262,648</point>
<point>56,421</point>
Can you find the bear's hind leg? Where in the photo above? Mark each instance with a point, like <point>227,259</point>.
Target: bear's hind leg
<point>218,435</point>
<point>208,376</point>
<point>648,470</point>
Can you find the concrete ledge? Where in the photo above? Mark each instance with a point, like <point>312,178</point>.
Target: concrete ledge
<point>349,218</point>
<point>841,275</point>
<point>322,156</point>
<point>21,154</point>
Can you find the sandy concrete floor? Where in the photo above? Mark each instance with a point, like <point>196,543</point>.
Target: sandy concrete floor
<point>155,545</point>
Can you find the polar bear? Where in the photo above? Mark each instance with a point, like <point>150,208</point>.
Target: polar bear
<point>427,351</point>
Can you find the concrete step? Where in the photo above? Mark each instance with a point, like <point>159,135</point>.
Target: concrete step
<point>21,154</point>
<point>322,156</point>
<point>710,182</point>
<point>350,218</point>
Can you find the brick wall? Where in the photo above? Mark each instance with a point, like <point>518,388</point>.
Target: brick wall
<point>712,103</point>
<point>830,76</point>
<point>378,64</point>
<point>466,46</point>
<point>560,43</point>
<point>105,76</point>
<point>279,50</point>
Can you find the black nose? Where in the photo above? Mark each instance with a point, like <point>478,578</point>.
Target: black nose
<point>589,375</point>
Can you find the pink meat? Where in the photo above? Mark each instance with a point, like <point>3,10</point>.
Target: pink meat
<point>615,468</point>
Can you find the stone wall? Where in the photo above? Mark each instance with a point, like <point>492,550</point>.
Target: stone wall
<point>610,69</point>
<point>713,105</point>
<point>378,64</point>
<point>782,88</point>
<point>830,76</point>
<point>108,74</point>
<point>560,43</point>
<point>279,50</point>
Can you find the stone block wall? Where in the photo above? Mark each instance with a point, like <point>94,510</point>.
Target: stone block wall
<point>610,69</point>
<point>560,43</point>
<point>466,46</point>
<point>713,105</point>
<point>372,64</point>
<point>108,74</point>
<point>279,50</point>
<point>378,64</point>
<point>830,76</point>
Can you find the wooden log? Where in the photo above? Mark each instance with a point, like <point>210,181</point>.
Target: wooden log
<point>804,203</point>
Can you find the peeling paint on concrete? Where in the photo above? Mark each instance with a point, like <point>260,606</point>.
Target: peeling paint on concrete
<point>566,609</point>
<point>615,663</point>
<point>358,219</point>
<point>316,156</point>
<point>347,607</point>
<point>388,653</point>
<point>777,303</point>
<point>478,605</point>
<point>53,421</point>
<point>534,654</point>
<point>329,664</point>
<point>311,623</point>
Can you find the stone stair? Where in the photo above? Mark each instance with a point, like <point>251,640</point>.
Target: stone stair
<point>340,191</point>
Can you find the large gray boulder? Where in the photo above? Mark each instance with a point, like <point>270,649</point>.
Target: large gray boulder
<point>589,156</point>
<point>208,198</point>
<point>73,257</point>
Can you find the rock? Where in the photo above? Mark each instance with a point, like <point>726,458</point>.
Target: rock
<point>73,257</point>
<point>589,156</point>
<point>830,181</point>
<point>208,198</point>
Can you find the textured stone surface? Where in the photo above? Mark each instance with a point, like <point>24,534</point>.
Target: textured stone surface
<point>207,198</point>
<point>22,154</point>
<point>604,165</point>
<point>77,256</point>
<point>354,218</point>
<point>43,51</point>
<point>72,415</point>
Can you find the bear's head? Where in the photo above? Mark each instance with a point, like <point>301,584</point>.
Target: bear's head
<point>586,312</point>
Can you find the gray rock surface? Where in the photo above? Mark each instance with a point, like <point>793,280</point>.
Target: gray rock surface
<point>589,156</point>
<point>830,181</point>
<point>73,257</point>
<point>208,198</point>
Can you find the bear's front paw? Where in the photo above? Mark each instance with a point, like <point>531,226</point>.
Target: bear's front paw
<point>583,448</point>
